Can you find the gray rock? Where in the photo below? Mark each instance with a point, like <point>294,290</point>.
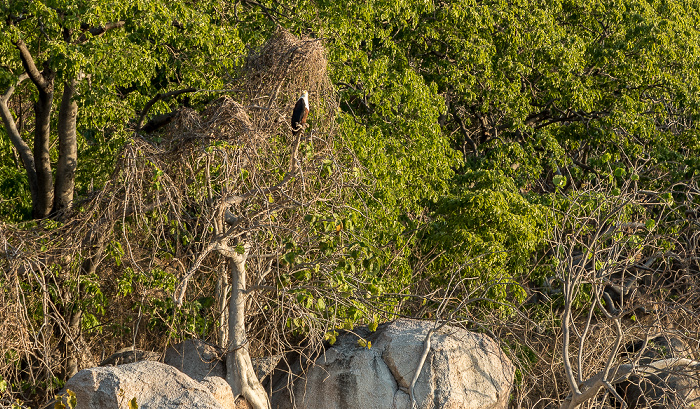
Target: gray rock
<point>221,390</point>
<point>153,384</point>
<point>463,370</point>
<point>671,389</point>
<point>264,366</point>
<point>197,359</point>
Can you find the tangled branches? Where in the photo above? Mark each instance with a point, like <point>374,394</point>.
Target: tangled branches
<point>226,178</point>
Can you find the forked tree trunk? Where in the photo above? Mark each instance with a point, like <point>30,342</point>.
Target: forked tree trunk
<point>44,82</point>
<point>47,198</point>
<point>239,368</point>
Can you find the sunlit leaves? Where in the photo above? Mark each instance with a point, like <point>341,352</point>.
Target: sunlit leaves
<point>488,231</point>
<point>559,181</point>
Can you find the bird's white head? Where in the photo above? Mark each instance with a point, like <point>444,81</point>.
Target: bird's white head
<point>305,96</point>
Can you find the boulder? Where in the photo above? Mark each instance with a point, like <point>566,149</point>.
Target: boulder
<point>153,384</point>
<point>263,366</point>
<point>462,370</point>
<point>675,388</point>
<point>197,359</point>
<point>220,389</point>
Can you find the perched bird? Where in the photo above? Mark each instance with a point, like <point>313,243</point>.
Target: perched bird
<point>301,110</point>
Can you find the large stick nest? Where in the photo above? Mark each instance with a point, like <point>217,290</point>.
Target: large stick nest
<point>287,65</point>
<point>275,76</point>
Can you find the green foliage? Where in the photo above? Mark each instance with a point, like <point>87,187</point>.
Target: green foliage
<point>66,401</point>
<point>330,337</point>
<point>363,343</point>
<point>528,86</point>
<point>15,202</point>
<point>161,46</point>
<point>484,229</point>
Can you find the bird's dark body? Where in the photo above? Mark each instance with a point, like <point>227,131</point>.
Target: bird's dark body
<point>299,116</point>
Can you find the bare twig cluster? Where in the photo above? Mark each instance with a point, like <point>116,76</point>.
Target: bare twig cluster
<point>624,288</point>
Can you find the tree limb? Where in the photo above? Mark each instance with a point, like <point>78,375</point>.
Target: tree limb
<point>419,368</point>
<point>159,97</point>
<point>44,82</point>
<point>30,68</point>
<point>67,149</point>
<point>159,121</point>
<point>23,149</point>
<point>465,131</point>
<point>622,372</point>
<point>99,31</point>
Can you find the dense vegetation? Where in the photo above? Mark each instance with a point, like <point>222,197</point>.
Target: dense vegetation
<point>497,164</point>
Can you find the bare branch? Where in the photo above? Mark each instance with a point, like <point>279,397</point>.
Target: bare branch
<point>419,368</point>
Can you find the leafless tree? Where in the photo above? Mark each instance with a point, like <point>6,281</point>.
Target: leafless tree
<point>625,268</point>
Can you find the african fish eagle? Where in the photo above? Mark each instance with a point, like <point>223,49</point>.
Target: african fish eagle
<point>301,110</point>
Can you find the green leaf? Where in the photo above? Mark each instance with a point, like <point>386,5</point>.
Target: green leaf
<point>363,343</point>
<point>667,197</point>
<point>72,399</point>
<point>330,337</point>
<point>133,404</point>
<point>559,181</point>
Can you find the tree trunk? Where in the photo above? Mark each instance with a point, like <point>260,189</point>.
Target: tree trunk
<point>25,152</point>
<point>44,82</point>
<point>67,149</point>
<point>42,159</point>
<point>71,339</point>
<point>239,368</point>
<point>222,289</point>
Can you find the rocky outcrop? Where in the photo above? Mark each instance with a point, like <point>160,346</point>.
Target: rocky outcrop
<point>462,370</point>
<point>220,389</point>
<point>677,387</point>
<point>153,384</point>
